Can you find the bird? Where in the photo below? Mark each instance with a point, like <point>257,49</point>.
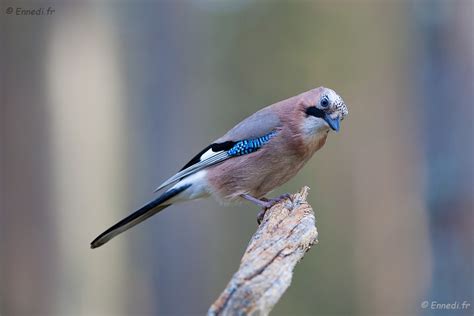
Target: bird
<point>259,154</point>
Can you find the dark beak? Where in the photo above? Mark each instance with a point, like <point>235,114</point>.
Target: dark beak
<point>333,123</point>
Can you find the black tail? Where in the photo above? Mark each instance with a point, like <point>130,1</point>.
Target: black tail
<point>139,216</point>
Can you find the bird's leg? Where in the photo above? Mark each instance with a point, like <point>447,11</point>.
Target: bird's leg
<point>278,198</point>
<point>264,203</point>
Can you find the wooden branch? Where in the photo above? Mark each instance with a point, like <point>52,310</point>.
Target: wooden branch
<point>287,232</point>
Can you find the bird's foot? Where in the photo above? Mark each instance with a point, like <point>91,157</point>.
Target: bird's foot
<point>278,199</point>
<point>261,215</point>
<point>265,204</point>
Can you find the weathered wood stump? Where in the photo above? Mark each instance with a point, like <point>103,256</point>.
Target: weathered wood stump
<point>286,233</point>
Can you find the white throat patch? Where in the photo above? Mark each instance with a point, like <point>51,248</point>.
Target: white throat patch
<point>314,125</point>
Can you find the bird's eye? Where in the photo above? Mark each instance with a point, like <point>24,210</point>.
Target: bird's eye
<point>324,102</point>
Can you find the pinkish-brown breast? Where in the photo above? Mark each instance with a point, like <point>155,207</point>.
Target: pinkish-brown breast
<point>274,164</point>
<point>262,171</point>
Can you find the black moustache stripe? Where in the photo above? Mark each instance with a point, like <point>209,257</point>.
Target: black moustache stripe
<point>314,111</point>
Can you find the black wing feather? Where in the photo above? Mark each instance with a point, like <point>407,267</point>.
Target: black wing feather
<point>215,147</point>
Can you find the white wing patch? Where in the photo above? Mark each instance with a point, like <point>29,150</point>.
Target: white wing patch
<point>208,154</point>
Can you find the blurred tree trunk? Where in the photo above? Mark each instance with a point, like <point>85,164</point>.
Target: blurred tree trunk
<point>167,127</point>
<point>62,131</point>
<point>26,221</point>
<point>446,113</point>
<point>86,125</point>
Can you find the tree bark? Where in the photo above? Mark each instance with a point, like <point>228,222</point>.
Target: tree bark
<point>286,233</point>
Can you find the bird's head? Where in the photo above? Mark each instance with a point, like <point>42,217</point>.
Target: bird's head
<point>323,109</point>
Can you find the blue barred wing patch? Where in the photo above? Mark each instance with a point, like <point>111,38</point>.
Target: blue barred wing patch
<point>223,152</point>
<point>248,146</point>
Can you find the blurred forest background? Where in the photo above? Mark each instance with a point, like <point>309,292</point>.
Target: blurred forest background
<point>102,101</point>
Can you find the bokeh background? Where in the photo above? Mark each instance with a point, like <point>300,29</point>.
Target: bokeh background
<point>102,101</point>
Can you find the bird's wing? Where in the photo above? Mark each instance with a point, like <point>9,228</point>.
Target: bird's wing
<point>246,137</point>
<point>260,123</point>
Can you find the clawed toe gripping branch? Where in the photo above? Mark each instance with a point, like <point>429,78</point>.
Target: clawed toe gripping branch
<point>287,232</point>
<point>266,204</point>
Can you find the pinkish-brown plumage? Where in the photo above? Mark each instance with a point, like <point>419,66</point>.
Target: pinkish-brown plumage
<point>260,172</point>
<point>246,162</point>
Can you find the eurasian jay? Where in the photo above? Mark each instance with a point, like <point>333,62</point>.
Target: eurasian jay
<point>259,154</point>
